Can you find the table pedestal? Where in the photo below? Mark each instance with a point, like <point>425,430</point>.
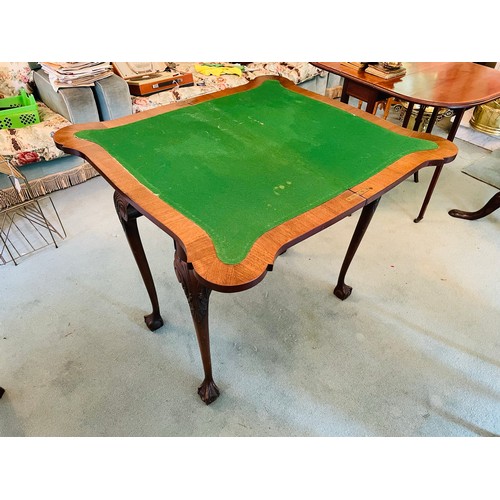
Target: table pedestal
<point>492,205</point>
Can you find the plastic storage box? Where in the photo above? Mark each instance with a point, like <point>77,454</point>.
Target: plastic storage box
<point>18,111</point>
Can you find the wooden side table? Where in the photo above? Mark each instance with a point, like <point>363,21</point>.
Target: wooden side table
<point>454,85</point>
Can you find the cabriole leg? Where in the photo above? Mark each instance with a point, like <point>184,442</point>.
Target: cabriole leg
<point>128,217</point>
<point>342,291</point>
<point>198,297</point>
<point>430,190</point>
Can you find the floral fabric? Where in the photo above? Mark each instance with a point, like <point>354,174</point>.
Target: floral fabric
<point>297,72</point>
<point>14,77</point>
<point>34,143</point>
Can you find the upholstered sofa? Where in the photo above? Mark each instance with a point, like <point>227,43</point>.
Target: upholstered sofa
<point>301,73</point>
<point>31,148</point>
<point>48,169</point>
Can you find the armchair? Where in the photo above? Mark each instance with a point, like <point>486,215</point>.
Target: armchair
<point>32,148</point>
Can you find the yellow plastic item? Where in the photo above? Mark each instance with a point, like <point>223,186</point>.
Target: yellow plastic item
<point>205,69</point>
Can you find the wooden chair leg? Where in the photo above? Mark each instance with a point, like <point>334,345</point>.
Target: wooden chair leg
<point>387,107</point>
<point>384,105</point>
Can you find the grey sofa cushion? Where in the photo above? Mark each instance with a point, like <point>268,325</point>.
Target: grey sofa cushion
<point>112,96</point>
<point>76,104</point>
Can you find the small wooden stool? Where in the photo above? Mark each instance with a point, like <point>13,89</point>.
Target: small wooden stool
<point>385,105</point>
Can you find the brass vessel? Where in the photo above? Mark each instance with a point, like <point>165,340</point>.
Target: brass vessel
<point>486,118</point>
<point>402,108</point>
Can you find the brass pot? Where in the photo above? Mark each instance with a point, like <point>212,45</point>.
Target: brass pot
<point>486,118</point>
<point>402,107</point>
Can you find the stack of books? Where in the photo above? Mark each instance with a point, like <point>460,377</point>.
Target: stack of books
<point>358,66</point>
<point>76,74</point>
<point>385,71</point>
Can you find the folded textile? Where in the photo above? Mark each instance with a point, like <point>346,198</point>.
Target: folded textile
<point>218,69</point>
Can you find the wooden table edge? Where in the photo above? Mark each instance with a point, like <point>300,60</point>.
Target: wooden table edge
<point>377,83</point>
<point>196,243</point>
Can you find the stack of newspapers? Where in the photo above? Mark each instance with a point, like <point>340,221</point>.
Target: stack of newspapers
<point>76,74</point>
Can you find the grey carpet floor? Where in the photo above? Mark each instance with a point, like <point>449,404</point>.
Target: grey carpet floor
<point>415,351</point>
<point>486,170</point>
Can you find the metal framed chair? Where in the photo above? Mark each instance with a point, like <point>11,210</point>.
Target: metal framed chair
<point>24,227</point>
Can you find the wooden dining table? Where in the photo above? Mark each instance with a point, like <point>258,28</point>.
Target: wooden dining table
<point>458,86</point>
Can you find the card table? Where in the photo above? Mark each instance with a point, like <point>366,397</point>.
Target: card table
<point>237,177</point>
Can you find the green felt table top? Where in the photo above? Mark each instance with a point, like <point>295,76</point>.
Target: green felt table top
<point>244,163</point>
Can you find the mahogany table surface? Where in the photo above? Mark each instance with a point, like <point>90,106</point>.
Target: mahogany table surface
<point>443,84</point>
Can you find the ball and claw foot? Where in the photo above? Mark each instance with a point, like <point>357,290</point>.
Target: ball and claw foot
<point>208,391</point>
<point>342,291</point>
<point>153,321</point>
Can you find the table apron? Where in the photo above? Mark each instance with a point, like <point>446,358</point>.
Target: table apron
<point>363,93</point>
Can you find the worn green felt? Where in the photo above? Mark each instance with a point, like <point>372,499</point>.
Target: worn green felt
<point>242,164</point>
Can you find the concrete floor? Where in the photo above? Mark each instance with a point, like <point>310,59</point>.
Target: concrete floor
<point>415,351</point>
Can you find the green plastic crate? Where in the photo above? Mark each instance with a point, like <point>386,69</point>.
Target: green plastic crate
<point>18,111</point>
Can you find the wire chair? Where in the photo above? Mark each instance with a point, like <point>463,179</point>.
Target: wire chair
<point>24,227</point>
